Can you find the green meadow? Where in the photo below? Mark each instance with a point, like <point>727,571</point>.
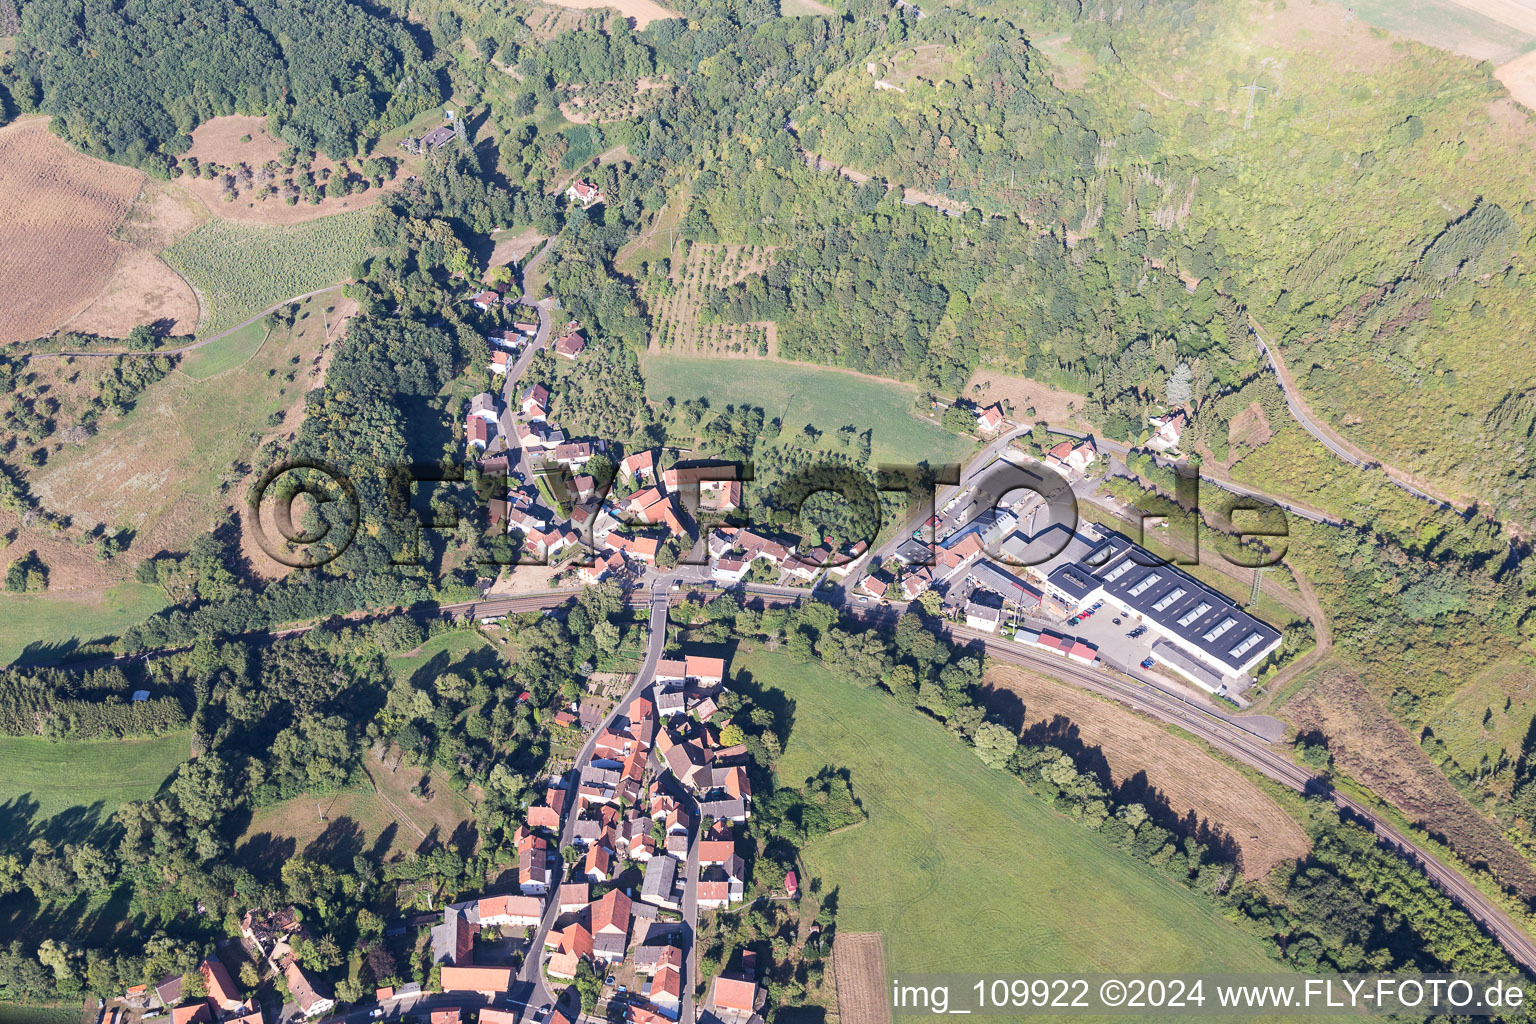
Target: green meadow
<point>94,777</point>
<point>960,868</point>
<point>226,353</point>
<point>59,618</point>
<point>801,394</point>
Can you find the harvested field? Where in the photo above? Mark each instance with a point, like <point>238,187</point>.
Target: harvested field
<point>141,290</point>
<point>1519,77</point>
<point>1369,745</point>
<point>705,267</point>
<point>1051,405</point>
<point>58,209</point>
<point>858,964</point>
<point>639,12</point>
<point>1157,768</point>
<point>1248,430</point>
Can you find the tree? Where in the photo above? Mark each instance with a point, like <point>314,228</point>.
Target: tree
<point>1180,385</point>
<point>995,744</point>
<point>931,601</point>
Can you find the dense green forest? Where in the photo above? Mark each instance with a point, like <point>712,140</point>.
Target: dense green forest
<point>129,81</point>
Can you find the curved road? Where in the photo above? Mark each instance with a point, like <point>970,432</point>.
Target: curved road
<point>1325,435</point>
<point>200,342</point>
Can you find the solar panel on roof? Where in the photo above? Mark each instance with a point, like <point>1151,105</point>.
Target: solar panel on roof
<point>1167,599</point>
<point>1147,581</point>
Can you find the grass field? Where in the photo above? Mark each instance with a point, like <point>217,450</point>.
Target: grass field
<point>96,776</point>
<point>444,649</point>
<point>239,270</point>
<point>1447,24</point>
<point>226,353</point>
<point>960,868</point>
<point>807,394</point>
<point>173,464</point>
<point>57,618</point>
<point>1489,714</point>
<point>11,1013</point>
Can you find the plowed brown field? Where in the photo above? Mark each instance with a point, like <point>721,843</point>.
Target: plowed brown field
<point>858,964</point>
<point>58,209</point>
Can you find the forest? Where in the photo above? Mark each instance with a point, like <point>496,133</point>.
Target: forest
<point>129,81</point>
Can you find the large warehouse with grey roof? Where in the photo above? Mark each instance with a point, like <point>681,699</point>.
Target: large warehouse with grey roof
<point>1203,634</point>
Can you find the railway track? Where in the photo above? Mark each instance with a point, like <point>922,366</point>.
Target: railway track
<point>1247,748</point>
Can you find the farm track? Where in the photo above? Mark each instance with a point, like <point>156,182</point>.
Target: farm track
<point>196,344</point>
<point>1335,442</point>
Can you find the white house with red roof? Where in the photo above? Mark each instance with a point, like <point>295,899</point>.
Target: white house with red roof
<point>1167,431</point>
<point>990,420</point>
<point>570,346</point>
<point>584,193</point>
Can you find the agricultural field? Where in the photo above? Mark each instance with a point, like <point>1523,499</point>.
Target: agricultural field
<point>858,964</point>
<point>703,267</point>
<point>41,779</point>
<point>1493,30</point>
<point>944,831</point>
<point>639,12</point>
<point>15,1013</point>
<point>802,394</point>
<point>58,210</point>
<point>228,352</point>
<point>1175,772</point>
<point>240,270</point>
<point>42,621</point>
<point>175,463</point>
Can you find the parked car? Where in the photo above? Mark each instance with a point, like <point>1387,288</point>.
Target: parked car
<point>1147,663</point>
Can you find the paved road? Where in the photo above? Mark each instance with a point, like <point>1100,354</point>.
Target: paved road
<point>942,496</point>
<point>658,597</point>
<point>1326,436</point>
<point>1122,450</point>
<point>201,341</point>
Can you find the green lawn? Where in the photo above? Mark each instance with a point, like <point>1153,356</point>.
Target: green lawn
<point>240,269</point>
<point>226,353</point>
<point>801,394</point>
<point>444,649</point>
<point>59,618</point>
<point>96,775</point>
<point>962,869</point>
